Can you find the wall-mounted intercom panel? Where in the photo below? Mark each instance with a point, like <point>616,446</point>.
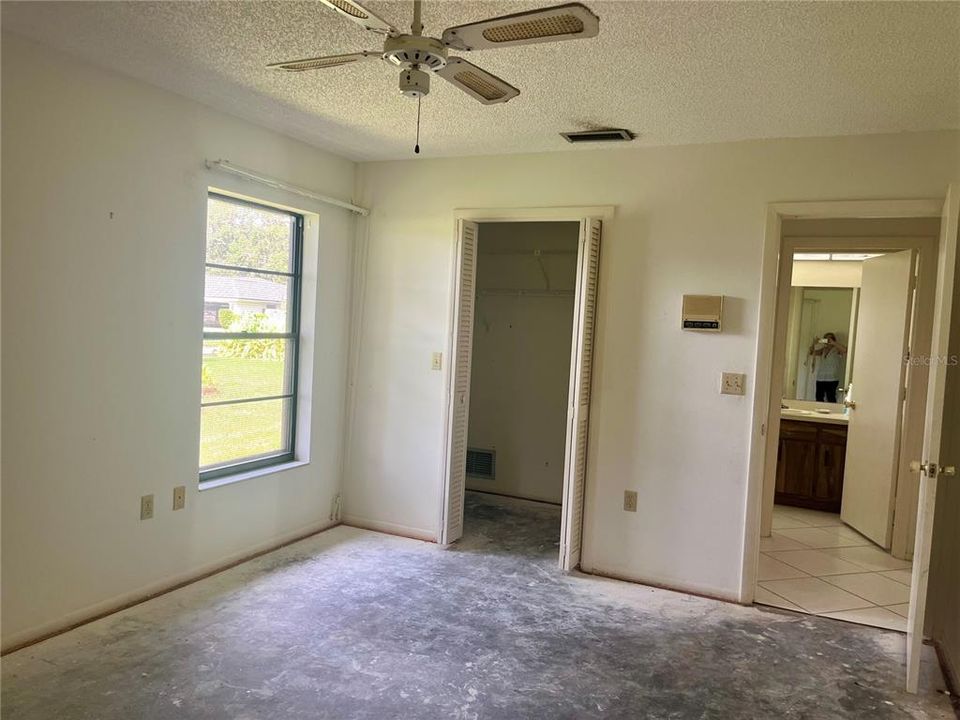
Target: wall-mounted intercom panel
<point>703,313</point>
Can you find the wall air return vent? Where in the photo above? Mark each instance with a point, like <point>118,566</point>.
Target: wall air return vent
<point>605,135</point>
<point>481,463</point>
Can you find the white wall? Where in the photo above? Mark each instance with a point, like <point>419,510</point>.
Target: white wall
<point>102,326</point>
<point>521,355</point>
<point>688,220</point>
<point>833,314</point>
<point>823,273</point>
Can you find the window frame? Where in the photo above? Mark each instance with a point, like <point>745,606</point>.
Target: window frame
<point>223,470</point>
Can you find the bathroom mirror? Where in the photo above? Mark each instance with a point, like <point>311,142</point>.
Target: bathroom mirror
<point>820,334</point>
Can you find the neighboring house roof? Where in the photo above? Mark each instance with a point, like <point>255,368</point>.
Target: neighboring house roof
<point>230,287</point>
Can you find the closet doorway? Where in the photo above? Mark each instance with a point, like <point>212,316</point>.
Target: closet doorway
<point>524,310</point>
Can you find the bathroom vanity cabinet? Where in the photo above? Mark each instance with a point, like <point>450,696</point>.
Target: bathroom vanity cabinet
<point>810,464</point>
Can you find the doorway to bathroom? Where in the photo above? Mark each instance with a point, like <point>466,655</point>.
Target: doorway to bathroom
<point>840,501</point>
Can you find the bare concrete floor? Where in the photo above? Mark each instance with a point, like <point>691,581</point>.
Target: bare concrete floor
<point>354,624</point>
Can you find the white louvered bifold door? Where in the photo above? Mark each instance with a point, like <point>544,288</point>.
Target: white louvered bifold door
<point>581,371</point>
<point>459,410</point>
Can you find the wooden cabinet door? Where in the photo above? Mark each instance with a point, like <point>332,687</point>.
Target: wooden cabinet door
<point>797,464</point>
<point>831,459</point>
<point>810,465</point>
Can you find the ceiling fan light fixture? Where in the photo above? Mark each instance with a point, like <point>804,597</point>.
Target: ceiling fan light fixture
<point>414,83</point>
<point>537,28</point>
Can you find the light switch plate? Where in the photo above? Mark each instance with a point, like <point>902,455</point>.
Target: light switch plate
<point>436,361</point>
<point>146,507</point>
<point>733,384</point>
<point>179,497</point>
<point>630,500</point>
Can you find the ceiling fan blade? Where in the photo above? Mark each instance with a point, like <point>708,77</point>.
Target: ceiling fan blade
<point>477,82</point>
<point>361,16</point>
<point>321,63</point>
<point>562,22</point>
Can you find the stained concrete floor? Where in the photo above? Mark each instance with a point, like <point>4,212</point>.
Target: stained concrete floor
<point>354,624</point>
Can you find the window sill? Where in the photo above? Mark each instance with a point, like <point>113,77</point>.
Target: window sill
<point>250,474</point>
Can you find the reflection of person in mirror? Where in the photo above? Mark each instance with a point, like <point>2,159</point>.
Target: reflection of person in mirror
<point>830,367</point>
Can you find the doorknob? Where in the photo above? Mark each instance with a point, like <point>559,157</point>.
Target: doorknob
<point>933,470</point>
<point>852,404</point>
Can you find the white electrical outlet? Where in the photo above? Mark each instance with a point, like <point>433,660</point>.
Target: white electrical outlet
<point>630,500</point>
<point>436,361</point>
<point>733,384</point>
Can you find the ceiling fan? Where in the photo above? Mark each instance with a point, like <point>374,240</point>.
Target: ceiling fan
<point>419,56</point>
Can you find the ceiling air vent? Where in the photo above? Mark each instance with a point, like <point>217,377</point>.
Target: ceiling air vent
<point>481,463</point>
<point>605,135</point>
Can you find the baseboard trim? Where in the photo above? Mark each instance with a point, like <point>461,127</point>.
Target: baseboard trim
<point>516,497</point>
<point>709,594</point>
<point>100,610</point>
<point>389,528</point>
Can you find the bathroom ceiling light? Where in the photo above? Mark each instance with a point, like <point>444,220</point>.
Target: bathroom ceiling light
<point>835,257</point>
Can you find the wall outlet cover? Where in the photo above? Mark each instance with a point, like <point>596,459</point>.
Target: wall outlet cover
<point>630,500</point>
<point>146,507</point>
<point>179,497</point>
<point>436,361</point>
<point>733,384</point>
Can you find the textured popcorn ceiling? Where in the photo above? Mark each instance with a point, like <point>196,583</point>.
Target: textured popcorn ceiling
<point>674,73</point>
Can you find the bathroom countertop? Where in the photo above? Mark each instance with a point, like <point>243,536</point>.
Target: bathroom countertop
<point>813,416</point>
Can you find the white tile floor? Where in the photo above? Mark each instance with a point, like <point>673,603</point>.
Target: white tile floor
<point>813,563</point>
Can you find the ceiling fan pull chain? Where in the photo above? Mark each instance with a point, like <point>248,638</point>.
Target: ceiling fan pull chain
<point>416,148</point>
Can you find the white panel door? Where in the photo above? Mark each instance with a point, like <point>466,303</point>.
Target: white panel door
<point>873,437</point>
<point>458,412</point>
<point>938,449</point>
<point>581,372</point>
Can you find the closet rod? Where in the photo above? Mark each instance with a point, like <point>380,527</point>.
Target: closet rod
<point>526,293</point>
<point>228,167</point>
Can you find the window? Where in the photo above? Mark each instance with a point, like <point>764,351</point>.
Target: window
<point>251,337</point>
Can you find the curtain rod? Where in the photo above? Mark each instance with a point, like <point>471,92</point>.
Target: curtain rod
<point>228,167</point>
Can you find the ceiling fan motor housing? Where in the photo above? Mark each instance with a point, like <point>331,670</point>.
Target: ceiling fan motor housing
<point>415,51</point>
<point>414,83</point>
